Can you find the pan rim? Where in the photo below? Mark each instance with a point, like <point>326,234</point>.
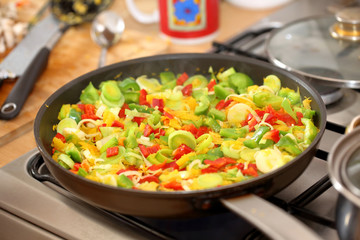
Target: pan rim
<point>230,189</point>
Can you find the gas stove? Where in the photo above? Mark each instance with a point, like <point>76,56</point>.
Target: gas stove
<point>34,206</point>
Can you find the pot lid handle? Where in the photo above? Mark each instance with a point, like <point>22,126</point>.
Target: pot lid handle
<point>347,26</point>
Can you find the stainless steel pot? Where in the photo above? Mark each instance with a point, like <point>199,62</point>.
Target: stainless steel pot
<point>344,170</point>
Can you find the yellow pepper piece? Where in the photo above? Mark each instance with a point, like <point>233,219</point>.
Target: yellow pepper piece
<point>185,159</point>
<point>58,144</point>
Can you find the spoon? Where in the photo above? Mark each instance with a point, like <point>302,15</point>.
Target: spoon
<point>106,30</point>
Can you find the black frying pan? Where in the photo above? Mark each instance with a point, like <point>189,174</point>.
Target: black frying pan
<point>240,197</point>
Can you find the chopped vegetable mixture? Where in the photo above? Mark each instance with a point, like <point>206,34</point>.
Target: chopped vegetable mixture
<point>182,132</point>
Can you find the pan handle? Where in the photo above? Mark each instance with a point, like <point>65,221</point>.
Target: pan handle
<point>273,221</point>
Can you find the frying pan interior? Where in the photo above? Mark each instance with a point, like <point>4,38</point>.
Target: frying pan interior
<point>169,204</point>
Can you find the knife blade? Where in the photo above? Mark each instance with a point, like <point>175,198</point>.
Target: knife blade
<point>19,59</point>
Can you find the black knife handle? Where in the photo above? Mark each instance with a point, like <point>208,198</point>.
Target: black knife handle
<point>24,85</point>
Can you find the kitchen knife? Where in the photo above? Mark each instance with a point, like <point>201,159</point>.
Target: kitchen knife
<point>22,55</point>
<point>28,60</point>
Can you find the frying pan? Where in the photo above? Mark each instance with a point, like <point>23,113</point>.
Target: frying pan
<point>245,198</point>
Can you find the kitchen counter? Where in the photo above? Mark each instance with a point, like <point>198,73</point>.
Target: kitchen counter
<point>76,54</point>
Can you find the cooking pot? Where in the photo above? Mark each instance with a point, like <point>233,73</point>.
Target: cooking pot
<point>244,198</point>
<point>344,170</point>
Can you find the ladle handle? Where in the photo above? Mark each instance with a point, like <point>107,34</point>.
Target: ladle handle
<point>24,85</point>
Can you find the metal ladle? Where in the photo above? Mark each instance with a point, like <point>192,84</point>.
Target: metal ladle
<point>106,30</point>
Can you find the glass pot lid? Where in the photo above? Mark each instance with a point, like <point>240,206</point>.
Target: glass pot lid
<point>310,48</point>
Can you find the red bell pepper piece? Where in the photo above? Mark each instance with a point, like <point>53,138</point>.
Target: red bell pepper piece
<point>146,151</point>
<point>138,120</point>
<point>112,151</point>
<point>142,97</point>
<point>220,162</point>
<point>183,77</point>
<point>77,166</point>
<point>299,116</point>
<point>61,137</point>
<point>223,104</point>
<point>209,169</point>
<point>150,178</point>
<point>148,130</point>
<point>187,90</point>
<point>190,128</point>
<point>89,112</point>
<point>251,170</point>
<point>202,130</point>
<point>174,185</point>
<point>211,85</point>
<point>157,166</point>
<point>181,150</point>
<point>166,114</point>
<point>117,124</point>
<point>122,111</point>
<point>81,106</point>
<point>272,135</point>
<point>171,165</point>
<point>158,102</point>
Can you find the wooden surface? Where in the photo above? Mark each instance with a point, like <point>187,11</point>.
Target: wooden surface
<point>76,54</point>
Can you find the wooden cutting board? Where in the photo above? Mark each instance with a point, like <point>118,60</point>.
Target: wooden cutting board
<point>75,54</point>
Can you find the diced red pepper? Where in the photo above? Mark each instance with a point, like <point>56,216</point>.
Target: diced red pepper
<point>171,165</point>
<point>209,169</point>
<point>148,130</point>
<point>117,124</point>
<point>138,120</point>
<point>251,170</point>
<point>77,166</point>
<point>183,77</point>
<point>81,106</point>
<point>61,137</point>
<point>166,114</point>
<point>89,112</point>
<point>220,162</point>
<point>190,128</point>
<point>240,166</point>
<point>159,132</point>
<point>281,115</point>
<point>181,150</point>
<point>150,178</point>
<point>122,111</point>
<point>299,116</point>
<point>112,151</point>
<point>174,185</point>
<point>88,116</point>
<point>202,130</point>
<point>272,135</point>
<point>142,97</point>
<point>157,166</point>
<point>223,104</point>
<point>158,102</point>
<point>187,90</point>
<point>211,85</point>
<point>146,151</point>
